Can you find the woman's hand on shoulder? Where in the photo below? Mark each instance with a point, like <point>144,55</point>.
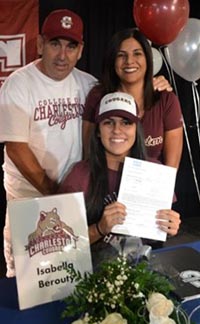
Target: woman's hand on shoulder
<point>160,83</point>
<point>168,220</point>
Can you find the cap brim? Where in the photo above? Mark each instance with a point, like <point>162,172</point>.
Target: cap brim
<point>117,113</point>
<point>71,36</point>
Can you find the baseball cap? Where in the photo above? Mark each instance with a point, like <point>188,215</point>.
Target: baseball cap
<point>63,23</point>
<point>117,104</point>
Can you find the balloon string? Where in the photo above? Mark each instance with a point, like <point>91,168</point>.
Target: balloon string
<point>191,159</point>
<point>169,69</point>
<point>196,107</point>
<point>171,75</point>
<point>195,91</point>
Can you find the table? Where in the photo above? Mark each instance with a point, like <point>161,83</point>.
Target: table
<point>10,313</point>
<point>195,245</point>
<point>192,307</point>
<point>50,313</point>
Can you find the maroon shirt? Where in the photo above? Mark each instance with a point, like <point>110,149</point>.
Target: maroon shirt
<point>165,115</point>
<point>78,180</point>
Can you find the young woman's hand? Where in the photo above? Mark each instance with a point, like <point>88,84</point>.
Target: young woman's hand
<point>168,220</point>
<point>113,214</point>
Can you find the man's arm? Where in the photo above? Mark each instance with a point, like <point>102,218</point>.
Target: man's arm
<point>26,162</point>
<point>160,83</point>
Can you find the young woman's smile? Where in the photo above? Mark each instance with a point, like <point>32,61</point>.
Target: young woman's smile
<point>117,136</point>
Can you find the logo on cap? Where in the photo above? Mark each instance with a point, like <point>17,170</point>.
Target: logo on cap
<point>66,22</point>
<point>118,99</point>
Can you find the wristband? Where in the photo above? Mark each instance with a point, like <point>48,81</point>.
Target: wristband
<point>98,230</point>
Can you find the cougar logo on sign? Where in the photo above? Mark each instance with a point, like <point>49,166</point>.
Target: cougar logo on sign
<point>12,54</point>
<point>51,235</point>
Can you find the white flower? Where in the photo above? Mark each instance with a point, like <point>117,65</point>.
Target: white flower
<point>138,295</point>
<point>90,299</point>
<point>160,320</point>
<point>114,318</point>
<point>153,299</point>
<point>136,285</point>
<point>79,321</point>
<point>159,308</point>
<point>162,308</point>
<point>119,277</point>
<point>101,296</point>
<point>118,283</point>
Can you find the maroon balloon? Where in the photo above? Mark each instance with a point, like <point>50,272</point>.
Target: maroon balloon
<point>161,20</point>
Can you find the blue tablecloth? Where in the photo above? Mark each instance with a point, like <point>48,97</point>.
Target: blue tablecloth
<point>192,308</point>
<point>51,313</point>
<point>194,245</point>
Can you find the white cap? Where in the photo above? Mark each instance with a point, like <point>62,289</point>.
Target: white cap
<point>118,104</point>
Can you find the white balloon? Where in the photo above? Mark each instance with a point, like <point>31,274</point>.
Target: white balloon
<point>157,60</point>
<point>183,54</point>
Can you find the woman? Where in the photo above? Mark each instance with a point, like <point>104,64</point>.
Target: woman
<point>117,134</point>
<point>128,67</point>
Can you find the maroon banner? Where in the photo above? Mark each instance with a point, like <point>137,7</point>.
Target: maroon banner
<point>19,27</point>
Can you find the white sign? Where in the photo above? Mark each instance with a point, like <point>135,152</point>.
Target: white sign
<point>49,235</point>
<point>145,188</point>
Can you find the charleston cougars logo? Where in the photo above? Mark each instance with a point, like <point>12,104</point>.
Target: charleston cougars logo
<point>51,234</point>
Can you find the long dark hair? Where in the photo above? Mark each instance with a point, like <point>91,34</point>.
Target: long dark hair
<point>110,82</point>
<point>98,185</point>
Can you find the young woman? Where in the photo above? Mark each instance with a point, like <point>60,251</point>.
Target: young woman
<point>117,134</point>
<point>128,67</point>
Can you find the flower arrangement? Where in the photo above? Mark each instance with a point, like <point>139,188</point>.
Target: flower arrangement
<point>119,293</point>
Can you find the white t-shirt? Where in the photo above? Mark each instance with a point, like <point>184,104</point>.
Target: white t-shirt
<point>46,114</point>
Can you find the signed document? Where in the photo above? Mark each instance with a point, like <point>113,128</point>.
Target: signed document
<point>145,188</point>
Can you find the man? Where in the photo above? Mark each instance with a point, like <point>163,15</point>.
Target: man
<point>41,106</point>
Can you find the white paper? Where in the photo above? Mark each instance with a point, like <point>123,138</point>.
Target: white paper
<point>49,235</point>
<point>145,188</point>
